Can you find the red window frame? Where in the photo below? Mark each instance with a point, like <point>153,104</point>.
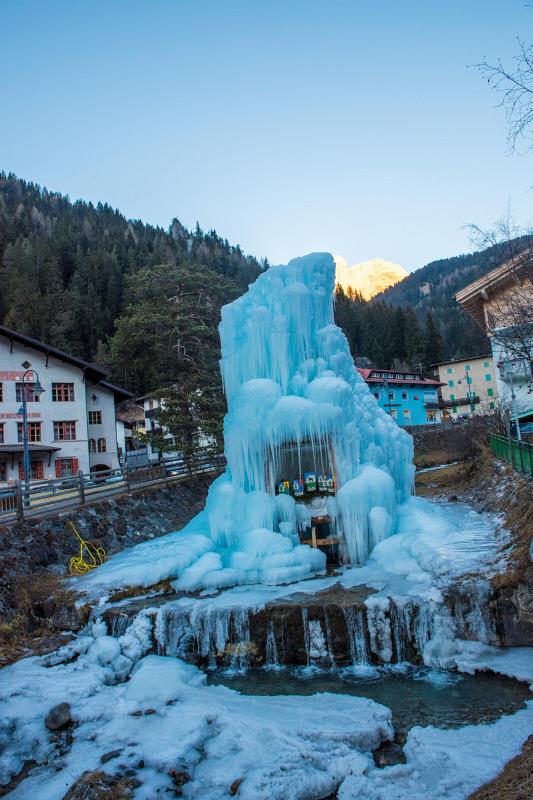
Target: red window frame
<point>63,392</point>
<point>66,467</point>
<point>65,430</point>
<point>31,397</point>
<point>36,470</point>
<point>34,432</point>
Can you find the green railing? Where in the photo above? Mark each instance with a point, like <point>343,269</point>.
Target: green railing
<point>518,454</point>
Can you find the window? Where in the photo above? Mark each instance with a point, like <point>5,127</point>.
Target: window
<point>1,393</point>
<point>1,433</point>
<point>431,415</point>
<point>64,431</point>
<point>65,467</point>
<point>393,413</point>
<point>451,384</point>
<point>488,377</point>
<point>472,406</point>
<point>62,392</point>
<point>404,395</point>
<point>376,395</point>
<point>3,471</point>
<point>102,447</point>
<point>95,417</point>
<point>452,397</point>
<point>34,432</point>
<point>492,405</point>
<point>490,392</point>
<point>454,409</point>
<point>449,370</point>
<point>486,364</point>
<point>31,397</point>
<point>391,395</point>
<point>468,380</point>
<point>36,471</point>
<point>467,367</point>
<point>92,445</point>
<point>406,413</point>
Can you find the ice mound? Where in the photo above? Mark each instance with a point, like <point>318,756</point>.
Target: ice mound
<point>290,382</point>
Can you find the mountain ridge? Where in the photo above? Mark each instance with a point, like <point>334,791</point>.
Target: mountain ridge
<point>368,278</point>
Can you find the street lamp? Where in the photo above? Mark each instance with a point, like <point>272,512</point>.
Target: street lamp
<point>37,391</point>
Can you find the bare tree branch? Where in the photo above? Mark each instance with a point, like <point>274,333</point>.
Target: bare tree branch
<point>515,87</point>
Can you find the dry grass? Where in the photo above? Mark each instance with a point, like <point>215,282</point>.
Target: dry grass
<point>515,782</point>
<point>26,633</point>
<point>164,587</point>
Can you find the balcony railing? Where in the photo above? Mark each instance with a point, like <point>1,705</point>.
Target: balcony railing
<point>460,401</point>
<point>514,369</point>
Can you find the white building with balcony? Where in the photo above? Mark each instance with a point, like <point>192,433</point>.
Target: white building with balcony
<point>71,425</point>
<point>502,303</point>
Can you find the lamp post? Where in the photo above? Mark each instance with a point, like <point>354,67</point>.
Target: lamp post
<point>37,390</point>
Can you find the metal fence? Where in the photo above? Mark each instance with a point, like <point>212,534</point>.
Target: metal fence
<point>40,498</point>
<point>518,454</point>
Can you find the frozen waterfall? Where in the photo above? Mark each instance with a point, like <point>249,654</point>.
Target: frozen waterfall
<point>294,397</point>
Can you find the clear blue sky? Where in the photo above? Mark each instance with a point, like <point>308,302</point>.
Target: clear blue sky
<point>287,125</point>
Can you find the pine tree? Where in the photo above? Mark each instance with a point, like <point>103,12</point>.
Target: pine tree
<point>433,351</point>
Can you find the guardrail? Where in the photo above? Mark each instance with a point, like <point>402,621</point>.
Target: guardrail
<point>518,454</point>
<point>18,502</point>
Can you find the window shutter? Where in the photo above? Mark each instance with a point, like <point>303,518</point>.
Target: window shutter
<point>58,468</point>
<point>39,470</point>
<point>75,465</point>
<point>21,470</point>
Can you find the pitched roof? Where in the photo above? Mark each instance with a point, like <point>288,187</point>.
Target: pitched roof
<point>393,376</point>
<point>458,360</point>
<point>91,371</point>
<point>471,297</point>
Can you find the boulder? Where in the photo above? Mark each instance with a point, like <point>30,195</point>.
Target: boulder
<point>58,717</point>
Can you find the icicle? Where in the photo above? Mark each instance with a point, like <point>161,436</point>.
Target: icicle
<point>307,639</point>
<point>329,640</point>
<point>379,628</point>
<point>356,635</point>
<point>271,650</point>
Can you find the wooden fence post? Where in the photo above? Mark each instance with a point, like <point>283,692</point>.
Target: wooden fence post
<point>127,476</point>
<point>20,501</point>
<point>81,487</point>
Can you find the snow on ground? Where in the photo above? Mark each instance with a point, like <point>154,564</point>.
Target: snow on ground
<point>218,736</point>
<point>280,748</point>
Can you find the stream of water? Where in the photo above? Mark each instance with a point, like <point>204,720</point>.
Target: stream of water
<point>416,695</point>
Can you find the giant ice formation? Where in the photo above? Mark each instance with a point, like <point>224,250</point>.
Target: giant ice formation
<point>290,382</point>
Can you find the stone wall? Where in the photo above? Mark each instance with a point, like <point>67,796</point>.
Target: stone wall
<point>43,548</point>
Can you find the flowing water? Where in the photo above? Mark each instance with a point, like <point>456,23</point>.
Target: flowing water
<point>416,695</point>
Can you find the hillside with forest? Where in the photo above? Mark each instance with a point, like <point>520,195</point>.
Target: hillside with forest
<point>68,269</point>
<point>431,290</point>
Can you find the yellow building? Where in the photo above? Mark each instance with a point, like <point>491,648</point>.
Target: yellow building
<point>469,386</point>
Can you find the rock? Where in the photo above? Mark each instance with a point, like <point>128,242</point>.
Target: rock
<point>108,756</point>
<point>49,607</point>
<point>234,788</point>
<point>101,786</point>
<point>179,777</point>
<point>387,754</point>
<point>58,717</point>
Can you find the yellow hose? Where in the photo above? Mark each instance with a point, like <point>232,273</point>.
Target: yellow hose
<point>95,555</point>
